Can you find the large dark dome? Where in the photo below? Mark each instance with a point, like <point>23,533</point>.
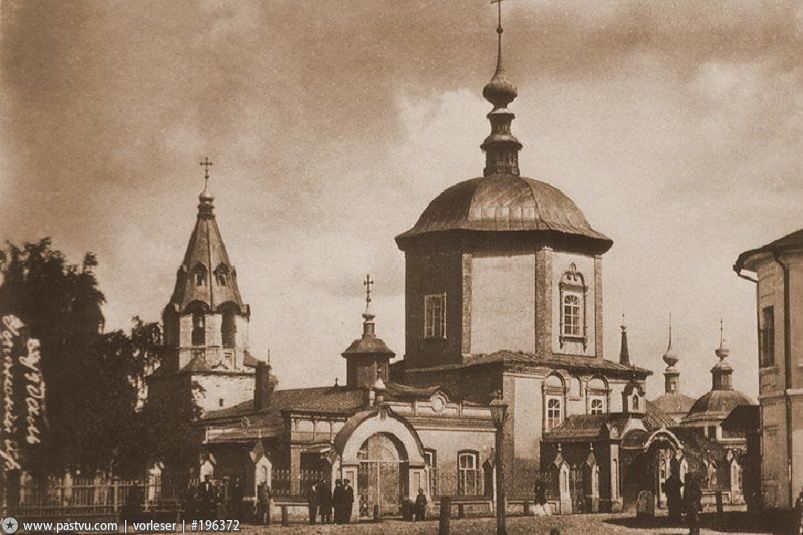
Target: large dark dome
<point>506,203</point>
<point>718,403</point>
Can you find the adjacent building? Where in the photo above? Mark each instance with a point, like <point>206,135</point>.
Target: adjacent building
<point>777,270</point>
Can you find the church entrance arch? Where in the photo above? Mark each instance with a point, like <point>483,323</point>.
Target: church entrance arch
<point>382,475</point>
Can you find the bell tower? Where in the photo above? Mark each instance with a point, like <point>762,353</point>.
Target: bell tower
<point>206,321</point>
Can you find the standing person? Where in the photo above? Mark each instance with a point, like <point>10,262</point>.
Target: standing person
<point>206,497</point>
<point>421,505</point>
<point>263,503</point>
<point>539,498</point>
<point>312,502</point>
<point>692,497</point>
<point>338,498</point>
<point>236,495</point>
<point>325,501</point>
<point>220,512</point>
<point>188,502</point>
<point>348,500</point>
<point>674,503</point>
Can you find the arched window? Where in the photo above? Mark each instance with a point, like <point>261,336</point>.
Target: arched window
<point>228,329</point>
<point>199,275</point>
<point>198,328</point>
<point>597,406</point>
<point>221,275</point>
<point>435,316</point>
<point>554,412</point>
<point>468,474</point>
<point>573,307</point>
<point>635,402</point>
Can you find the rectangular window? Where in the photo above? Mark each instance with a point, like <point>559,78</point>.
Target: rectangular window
<point>469,479</point>
<point>572,315</point>
<point>554,412</point>
<point>435,316</point>
<point>431,456</point>
<point>766,337</point>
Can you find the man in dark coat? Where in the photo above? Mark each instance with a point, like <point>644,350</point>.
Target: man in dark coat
<point>312,502</point>
<point>674,503</point>
<point>325,501</point>
<point>206,498</point>
<point>338,499</point>
<point>348,500</point>
<point>236,494</point>
<point>263,503</point>
<point>421,505</point>
<point>692,498</point>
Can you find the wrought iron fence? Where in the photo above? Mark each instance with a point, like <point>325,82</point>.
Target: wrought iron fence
<point>284,483</point>
<point>91,497</point>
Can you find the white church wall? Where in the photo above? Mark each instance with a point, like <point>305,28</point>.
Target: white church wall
<point>232,389</point>
<point>503,303</point>
<point>527,414</point>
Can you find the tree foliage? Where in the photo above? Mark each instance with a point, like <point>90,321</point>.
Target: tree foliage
<point>95,379</point>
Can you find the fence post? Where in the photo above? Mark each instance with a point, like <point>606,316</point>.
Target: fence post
<point>114,499</point>
<point>719,502</point>
<point>461,511</point>
<point>446,511</point>
<point>376,513</point>
<point>285,517</point>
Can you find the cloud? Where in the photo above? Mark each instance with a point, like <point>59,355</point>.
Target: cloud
<point>675,126</point>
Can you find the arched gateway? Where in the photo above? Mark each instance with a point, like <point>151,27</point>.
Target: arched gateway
<point>382,456</point>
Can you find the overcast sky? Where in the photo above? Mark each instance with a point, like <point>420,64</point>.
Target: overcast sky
<point>674,125</point>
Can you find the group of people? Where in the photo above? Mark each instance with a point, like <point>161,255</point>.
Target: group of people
<point>211,501</point>
<point>322,500</point>
<point>686,497</point>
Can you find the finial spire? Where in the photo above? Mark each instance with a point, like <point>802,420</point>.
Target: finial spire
<point>205,197</point>
<point>722,352</point>
<point>501,147</point>
<point>368,282</point>
<point>669,355</point>
<point>624,352</point>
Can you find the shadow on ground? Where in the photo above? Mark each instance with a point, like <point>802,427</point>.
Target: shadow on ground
<point>728,522</point>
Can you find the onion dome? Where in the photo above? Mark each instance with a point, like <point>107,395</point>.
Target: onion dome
<point>502,200</point>
<point>722,398</point>
<point>367,357</point>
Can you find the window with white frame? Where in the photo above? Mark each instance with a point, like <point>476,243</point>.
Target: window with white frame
<point>469,477</point>
<point>597,406</point>
<point>431,457</point>
<point>435,316</point>
<point>554,412</point>
<point>572,315</point>
<point>573,292</point>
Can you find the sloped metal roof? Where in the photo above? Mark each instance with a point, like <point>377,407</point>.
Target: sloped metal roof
<point>505,203</point>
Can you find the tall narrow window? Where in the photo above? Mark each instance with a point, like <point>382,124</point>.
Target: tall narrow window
<point>554,412</point>
<point>435,316</point>
<point>635,402</point>
<point>766,337</point>
<point>198,329</point>
<point>573,292</point>
<point>229,329</point>
<point>431,457</point>
<point>468,474</point>
<point>221,275</point>
<point>199,275</point>
<point>572,325</point>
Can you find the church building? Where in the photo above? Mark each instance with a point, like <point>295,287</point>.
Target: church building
<point>503,299</point>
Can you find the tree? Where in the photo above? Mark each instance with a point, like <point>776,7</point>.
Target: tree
<point>94,379</point>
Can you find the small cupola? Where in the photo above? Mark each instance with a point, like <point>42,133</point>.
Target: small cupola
<point>722,372</point>
<point>367,358</point>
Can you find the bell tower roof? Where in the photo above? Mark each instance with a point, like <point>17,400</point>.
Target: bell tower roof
<point>206,276</point>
